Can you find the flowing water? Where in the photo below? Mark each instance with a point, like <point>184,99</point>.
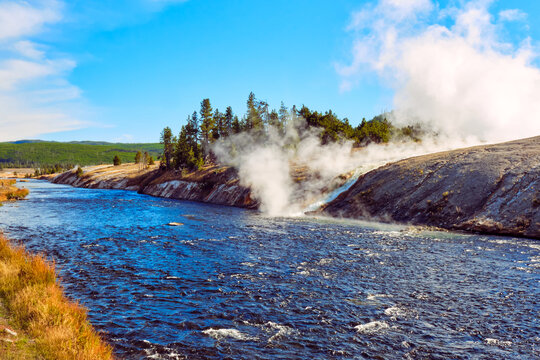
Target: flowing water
<point>231,283</point>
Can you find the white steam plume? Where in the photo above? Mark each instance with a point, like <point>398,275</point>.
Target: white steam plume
<point>451,68</point>
<point>452,73</point>
<point>270,167</point>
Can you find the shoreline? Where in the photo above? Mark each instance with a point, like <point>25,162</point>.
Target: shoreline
<point>37,320</point>
<point>213,184</point>
<point>320,214</point>
<point>487,189</point>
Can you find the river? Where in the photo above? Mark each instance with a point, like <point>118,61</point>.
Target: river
<point>231,283</point>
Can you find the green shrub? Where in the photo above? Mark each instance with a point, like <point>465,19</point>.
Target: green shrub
<point>79,172</point>
<point>17,194</point>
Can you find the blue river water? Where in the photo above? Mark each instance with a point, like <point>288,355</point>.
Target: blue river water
<point>231,283</point>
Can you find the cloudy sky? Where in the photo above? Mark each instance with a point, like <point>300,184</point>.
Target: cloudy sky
<point>121,70</point>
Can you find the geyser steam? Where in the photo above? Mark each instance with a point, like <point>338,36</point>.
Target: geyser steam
<point>453,74</point>
<point>267,164</point>
<point>264,164</point>
<point>451,69</point>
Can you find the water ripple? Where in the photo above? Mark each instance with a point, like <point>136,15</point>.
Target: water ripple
<point>232,284</point>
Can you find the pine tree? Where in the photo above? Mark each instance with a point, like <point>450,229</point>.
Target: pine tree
<point>262,110</point>
<point>219,125</point>
<point>168,147</point>
<point>191,160</point>
<point>145,159</point>
<point>283,115</point>
<point>253,119</point>
<point>207,121</point>
<point>192,133</point>
<point>228,119</point>
<point>182,149</point>
<point>273,120</point>
<point>236,125</point>
<point>293,115</point>
<point>192,127</point>
<point>116,160</point>
<point>138,157</point>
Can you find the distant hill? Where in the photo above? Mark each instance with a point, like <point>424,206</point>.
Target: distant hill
<point>27,141</point>
<point>38,153</point>
<point>87,142</point>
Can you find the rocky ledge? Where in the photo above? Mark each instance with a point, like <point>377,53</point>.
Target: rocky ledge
<point>492,189</point>
<point>213,184</point>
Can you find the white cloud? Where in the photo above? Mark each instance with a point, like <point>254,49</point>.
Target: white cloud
<point>35,95</point>
<point>28,49</point>
<point>15,72</point>
<point>512,15</point>
<point>394,10</point>
<point>458,76</point>
<point>23,18</point>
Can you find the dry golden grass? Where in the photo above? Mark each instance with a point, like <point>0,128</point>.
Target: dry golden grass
<point>9,192</point>
<point>7,182</point>
<point>16,173</point>
<point>17,194</point>
<point>49,326</point>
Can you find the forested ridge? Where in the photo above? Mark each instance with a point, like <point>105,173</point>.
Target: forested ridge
<point>191,148</point>
<point>42,154</point>
<point>193,145</point>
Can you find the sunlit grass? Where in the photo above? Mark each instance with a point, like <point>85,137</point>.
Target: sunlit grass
<point>10,192</point>
<point>49,326</point>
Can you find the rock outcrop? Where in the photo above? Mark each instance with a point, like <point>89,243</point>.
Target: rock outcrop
<point>491,189</point>
<point>213,184</point>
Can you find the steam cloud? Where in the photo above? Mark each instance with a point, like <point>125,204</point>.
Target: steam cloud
<point>269,167</point>
<point>452,73</point>
<point>451,69</point>
<point>265,166</point>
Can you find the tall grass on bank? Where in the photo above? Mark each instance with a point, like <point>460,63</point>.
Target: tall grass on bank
<point>9,192</point>
<point>34,304</point>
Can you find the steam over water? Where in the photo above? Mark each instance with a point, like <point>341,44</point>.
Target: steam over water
<point>231,283</point>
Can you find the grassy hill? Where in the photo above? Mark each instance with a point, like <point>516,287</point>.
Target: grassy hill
<point>35,153</point>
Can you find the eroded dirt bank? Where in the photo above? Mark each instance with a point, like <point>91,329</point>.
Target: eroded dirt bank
<point>490,189</point>
<point>212,184</point>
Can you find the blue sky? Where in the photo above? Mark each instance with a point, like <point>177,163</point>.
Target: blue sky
<point>123,70</point>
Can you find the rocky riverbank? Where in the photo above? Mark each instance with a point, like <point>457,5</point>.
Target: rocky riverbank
<point>492,189</point>
<point>212,184</point>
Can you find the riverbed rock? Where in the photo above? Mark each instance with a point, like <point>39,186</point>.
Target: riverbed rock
<point>491,189</point>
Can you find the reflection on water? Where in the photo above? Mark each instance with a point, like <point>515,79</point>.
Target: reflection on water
<point>232,283</point>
